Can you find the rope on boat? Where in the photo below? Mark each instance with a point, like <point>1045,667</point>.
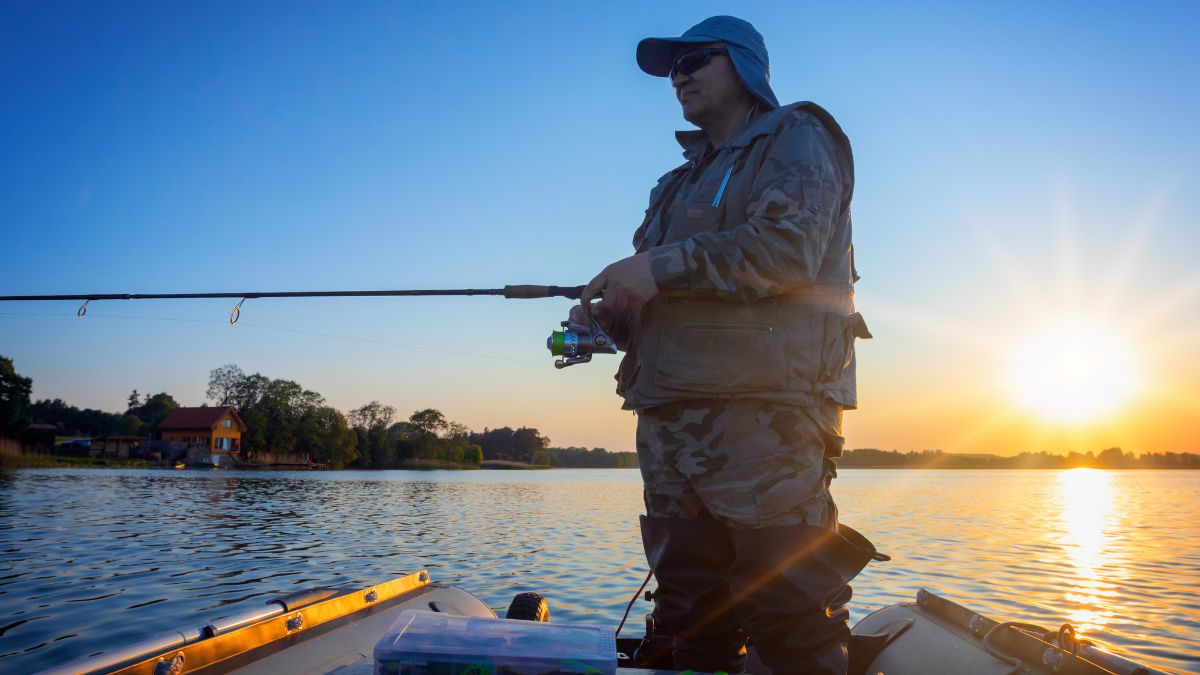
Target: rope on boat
<point>1015,663</point>
<point>1067,643</point>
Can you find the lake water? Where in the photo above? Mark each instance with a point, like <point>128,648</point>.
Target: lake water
<point>99,558</point>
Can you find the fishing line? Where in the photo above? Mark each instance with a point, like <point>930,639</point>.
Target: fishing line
<point>396,344</point>
<point>301,331</point>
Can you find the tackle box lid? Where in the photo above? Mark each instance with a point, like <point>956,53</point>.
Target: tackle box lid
<point>421,638</point>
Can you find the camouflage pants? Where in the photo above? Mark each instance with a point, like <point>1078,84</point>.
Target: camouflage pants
<point>750,464</point>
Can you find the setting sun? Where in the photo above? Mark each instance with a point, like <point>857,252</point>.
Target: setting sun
<point>1073,371</point>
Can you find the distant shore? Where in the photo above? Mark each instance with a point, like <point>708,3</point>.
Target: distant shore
<point>53,461</point>
<point>48,461</point>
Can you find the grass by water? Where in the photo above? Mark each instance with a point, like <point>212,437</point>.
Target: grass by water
<point>44,461</point>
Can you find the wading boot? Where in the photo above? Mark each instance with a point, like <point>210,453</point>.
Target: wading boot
<point>790,585</point>
<point>691,558</point>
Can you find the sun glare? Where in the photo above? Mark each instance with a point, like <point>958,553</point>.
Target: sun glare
<point>1088,519</point>
<point>1073,371</point>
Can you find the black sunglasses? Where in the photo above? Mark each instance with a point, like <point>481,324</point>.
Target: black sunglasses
<point>692,61</point>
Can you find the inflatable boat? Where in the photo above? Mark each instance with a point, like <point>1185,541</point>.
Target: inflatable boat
<point>360,631</point>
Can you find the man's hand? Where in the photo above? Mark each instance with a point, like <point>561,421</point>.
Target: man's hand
<point>616,325</point>
<point>627,285</point>
<point>579,316</point>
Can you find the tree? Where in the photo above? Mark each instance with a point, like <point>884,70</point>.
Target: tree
<point>523,445</point>
<point>155,409</point>
<point>250,391</point>
<point>427,421</point>
<point>131,425</point>
<point>372,415</point>
<point>274,411</point>
<point>473,454</point>
<point>495,443</point>
<point>1112,457</point>
<point>255,438</point>
<point>376,448</point>
<point>14,399</point>
<point>224,384</point>
<point>328,438</point>
<point>529,446</point>
<point>135,400</point>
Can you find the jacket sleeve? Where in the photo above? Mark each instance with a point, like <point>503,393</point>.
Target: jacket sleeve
<point>794,206</point>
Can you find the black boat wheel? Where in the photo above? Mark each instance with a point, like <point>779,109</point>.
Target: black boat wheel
<point>529,607</point>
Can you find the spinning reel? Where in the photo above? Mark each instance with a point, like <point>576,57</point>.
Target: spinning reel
<point>576,343</point>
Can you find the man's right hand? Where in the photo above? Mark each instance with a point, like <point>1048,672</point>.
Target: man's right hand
<point>579,316</point>
<point>626,285</point>
<point>616,325</point>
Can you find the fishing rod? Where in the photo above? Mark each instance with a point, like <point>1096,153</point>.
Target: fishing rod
<point>575,343</point>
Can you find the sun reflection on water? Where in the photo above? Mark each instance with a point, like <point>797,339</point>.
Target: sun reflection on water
<point>1088,520</point>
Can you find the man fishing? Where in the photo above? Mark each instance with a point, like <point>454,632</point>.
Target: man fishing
<point>736,315</point>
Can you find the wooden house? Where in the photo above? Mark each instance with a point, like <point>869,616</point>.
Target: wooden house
<point>217,428</point>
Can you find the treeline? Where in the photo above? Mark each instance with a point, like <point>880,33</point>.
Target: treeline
<point>139,418</point>
<point>283,417</point>
<point>428,435</point>
<point>1110,458</point>
<point>524,445</point>
<point>17,412</point>
<point>596,458</point>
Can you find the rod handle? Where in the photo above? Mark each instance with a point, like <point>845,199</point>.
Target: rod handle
<point>527,291</point>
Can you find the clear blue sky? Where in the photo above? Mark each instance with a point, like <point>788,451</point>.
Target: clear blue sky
<point>1014,159</point>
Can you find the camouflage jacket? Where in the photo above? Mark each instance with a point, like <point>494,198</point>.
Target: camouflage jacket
<point>750,245</point>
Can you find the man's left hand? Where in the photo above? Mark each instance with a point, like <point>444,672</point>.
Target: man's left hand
<point>627,285</point>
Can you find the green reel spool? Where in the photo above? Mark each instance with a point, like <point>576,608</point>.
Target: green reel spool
<point>555,343</point>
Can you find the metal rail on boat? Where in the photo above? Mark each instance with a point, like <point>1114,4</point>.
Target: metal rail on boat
<point>239,634</point>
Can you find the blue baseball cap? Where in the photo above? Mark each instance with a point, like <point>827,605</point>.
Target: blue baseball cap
<point>746,48</point>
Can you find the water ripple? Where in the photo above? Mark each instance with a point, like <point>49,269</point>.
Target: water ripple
<point>95,559</point>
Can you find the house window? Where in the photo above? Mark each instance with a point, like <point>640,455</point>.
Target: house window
<point>227,423</point>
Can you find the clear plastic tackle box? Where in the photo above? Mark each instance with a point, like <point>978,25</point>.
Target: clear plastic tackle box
<point>432,643</point>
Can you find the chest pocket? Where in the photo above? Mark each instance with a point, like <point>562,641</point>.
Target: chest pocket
<point>689,219</point>
<point>701,207</point>
<point>651,230</point>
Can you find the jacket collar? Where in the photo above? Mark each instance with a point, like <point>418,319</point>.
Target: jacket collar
<point>696,145</point>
